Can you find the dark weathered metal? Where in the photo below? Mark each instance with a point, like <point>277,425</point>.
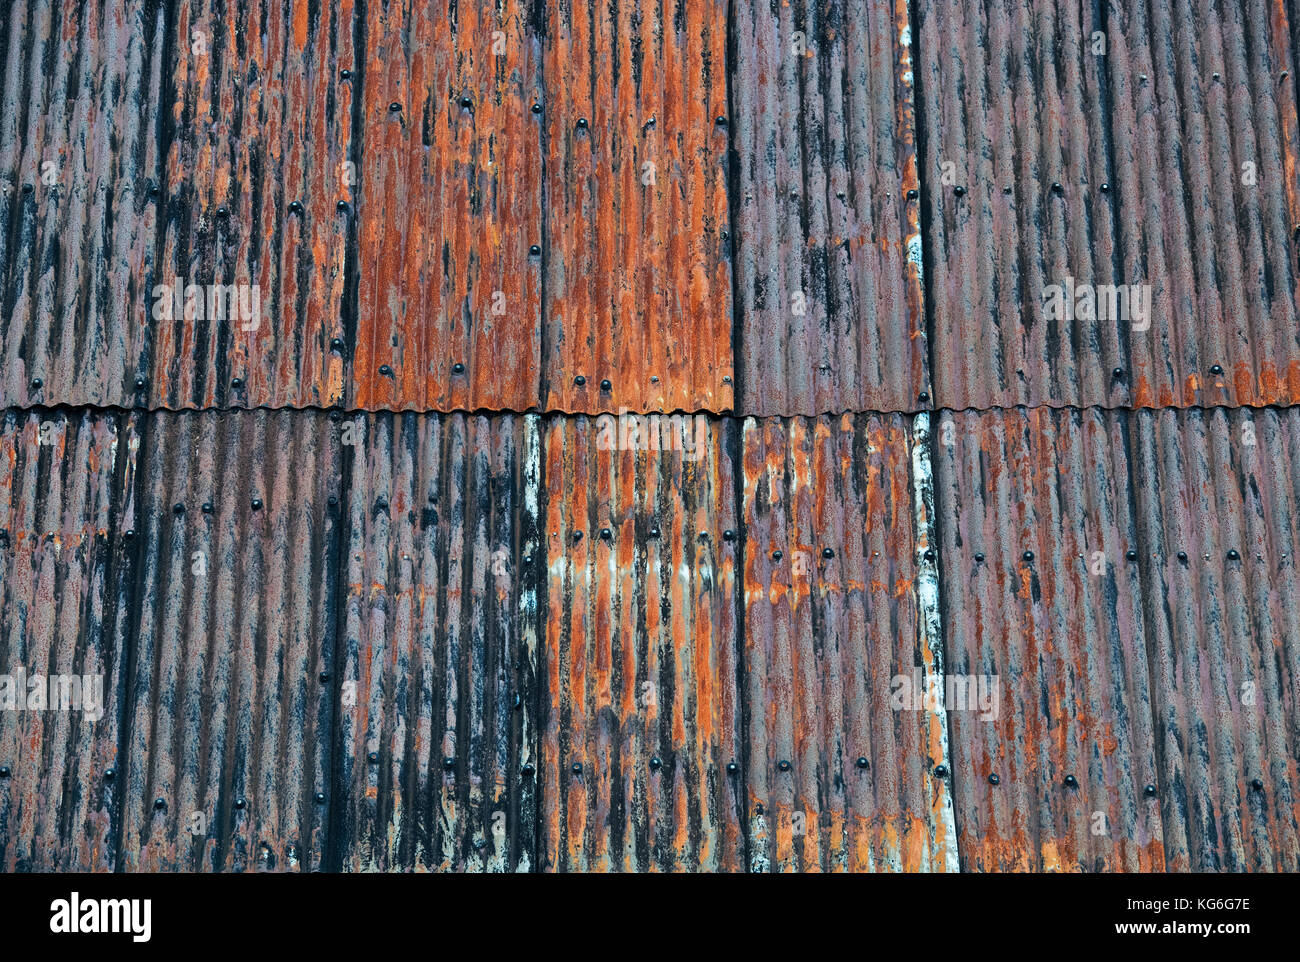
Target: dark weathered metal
<point>640,648</point>
<point>637,250</point>
<point>236,621</point>
<point>451,205</point>
<point>831,621</point>
<point>441,644</point>
<point>64,608</point>
<point>828,244</point>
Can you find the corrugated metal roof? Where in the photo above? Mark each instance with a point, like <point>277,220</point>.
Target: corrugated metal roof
<point>441,644</point>
<point>828,243</point>
<point>839,777</point>
<point>232,690</point>
<point>641,714</point>
<point>64,608</point>
<point>1162,153</point>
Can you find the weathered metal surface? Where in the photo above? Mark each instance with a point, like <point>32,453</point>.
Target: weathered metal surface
<point>1207,193</point>
<point>260,120</point>
<point>828,244</point>
<point>1036,514</point>
<point>831,619</point>
<point>1161,153</point>
<point>79,104</point>
<point>1223,624</point>
<point>451,206</point>
<point>441,644</point>
<point>641,710</point>
<point>63,611</point>
<point>230,715</point>
<point>637,261</point>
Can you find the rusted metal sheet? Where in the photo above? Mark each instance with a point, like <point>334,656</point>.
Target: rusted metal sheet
<point>1044,605</point>
<point>1161,160</point>
<point>1207,192</point>
<point>637,255</point>
<point>79,108</point>
<point>828,243</point>
<point>233,685</point>
<point>1218,508</point>
<point>64,607</point>
<point>641,714</point>
<point>450,295</point>
<point>438,749</point>
<point>257,198</point>
<point>839,778</point>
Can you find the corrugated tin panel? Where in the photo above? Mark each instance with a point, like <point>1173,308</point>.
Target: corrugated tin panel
<point>78,154</point>
<point>832,561</point>
<point>64,611</point>
<point>1162,153</point>
<point>1041,598</point>
<point>450,295</point>
<point>637,261</point>
<point>828,242</point>
<point>1218,506</point>
<point>441,644</point>
<point>260,121</point>
<point>641,711</point>
<point>233,684</point>
<point>1015,152</point>
<point>1208,197</point>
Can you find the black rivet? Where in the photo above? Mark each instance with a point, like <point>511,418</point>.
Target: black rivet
<point>373,758</point>
<point>911,194</point>
<point>394,107</point>
<point>994,778</point>
<point>324,677</point>
<point>777,555</point>
<point>345,74</point>
<point>320,798</point>
<point>295,207</point>
<point>828,553</point>
<point>4,771</point>
<point>341,207</point>
<point>1117,373</point>
<point>110,774</point>
<point>449,763</point>
<point>576,768</point>
<point>1071,781</point>
<point>385,370</point>
<point>178,508</point>
<point>582,123</point>
<point>458,368</point>
<point>336,344</point>
<point>605,385</point>
<point>537,108</point>
<point>1233,555</point>
<point>580,380</point>
<point>1131,555</point>
<point>783,765</point>
<point>223,212</point>
<point>28,188</point>
<point>1257,785</point>
<point>863,763</point>
<point>577,536</point>
<point>1028,556</point>
<point>959,190</point>
<point>159,804</point>
<point>656,764</point>
<point>257,504</point>
<point>154,190</point>
<point>728,535</point>
<point>606,534</point>
<point>653,533</point>
<point>941,771</point>
<point>732,768</point>
<point>1182,556</point>
<point>1216,370</point>
<point>1057,188</point>
<point>535,250</point>
<point>466,102</point>
<point>923,397</point>
<point>929,554</point>
<point>1149,791</point>
<point>1105,188</point>
<point>1216,76</point>
<point>721,121</point>
<point>332,500</point>
<point>527,771</point>
<point>979,557</point>
<point>528,559</point>
<point>140,383</point>
<point>241,804</point>
<point>236,383</point>
<point>36,383</point>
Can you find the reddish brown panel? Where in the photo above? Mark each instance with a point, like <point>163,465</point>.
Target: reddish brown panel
<point>1207,193</point>
<point>638,276</point>
<point>233,687</point>
<point>839,778</point>
<point>1044,600</point>
<point>438,747</point>
<point>640,717</point>
<point>449,293</point>
<point>64,608</point>
<point>261,122</point>
<point>78,156</point>
<point>828,254</point>
<point>1218,503</point>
